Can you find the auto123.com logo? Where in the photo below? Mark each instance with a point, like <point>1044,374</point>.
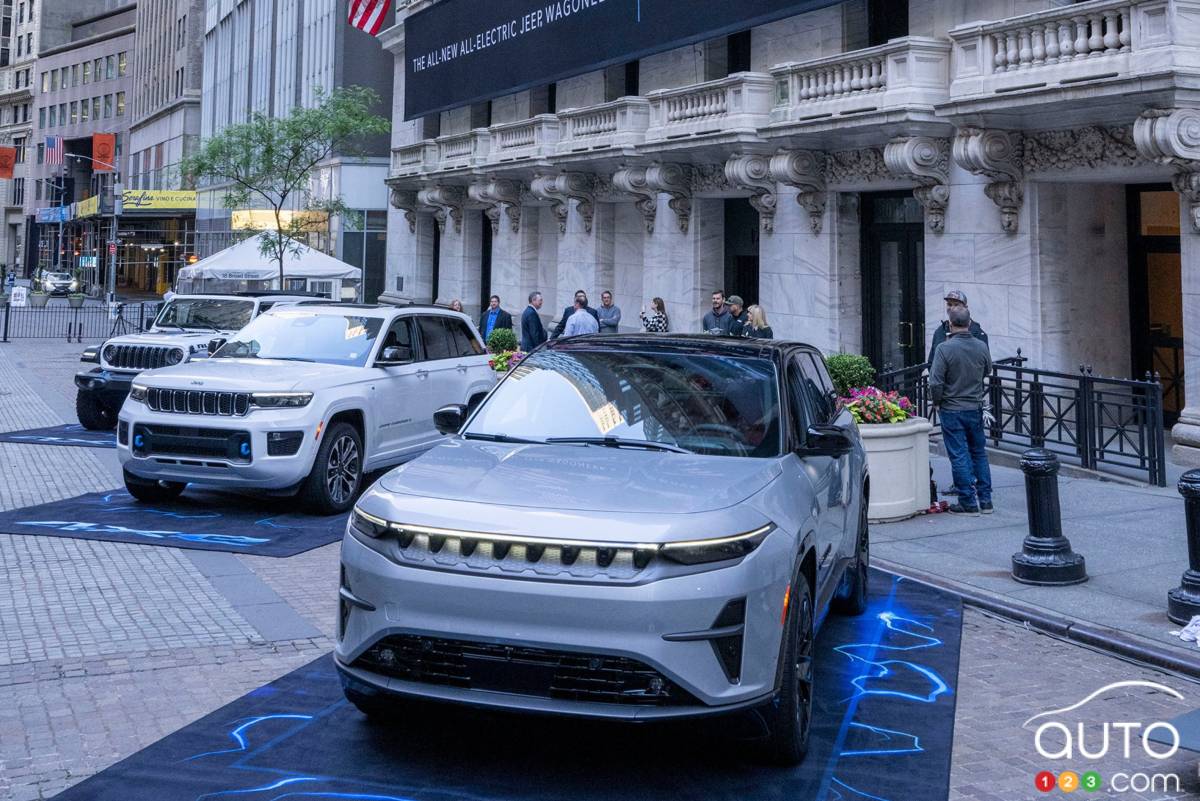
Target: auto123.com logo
<point>1062,737</point>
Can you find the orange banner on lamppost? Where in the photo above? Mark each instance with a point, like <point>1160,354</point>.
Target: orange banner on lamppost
<point>104,152</point>
<point>8,157</point>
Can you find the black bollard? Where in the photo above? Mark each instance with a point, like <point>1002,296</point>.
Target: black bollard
<point>1046,557</point>
<point>1184,601</point>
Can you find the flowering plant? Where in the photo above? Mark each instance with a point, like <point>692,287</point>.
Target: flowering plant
<point>873,405</point>
<point>505,360</point>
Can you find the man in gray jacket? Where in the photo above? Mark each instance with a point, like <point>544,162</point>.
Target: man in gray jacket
<point>956,383</point>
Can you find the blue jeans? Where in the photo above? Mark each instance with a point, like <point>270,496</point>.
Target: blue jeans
<point>966,445</point>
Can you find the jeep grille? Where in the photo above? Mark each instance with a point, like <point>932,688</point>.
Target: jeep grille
<point>194,401</point>
<point>136,357</point>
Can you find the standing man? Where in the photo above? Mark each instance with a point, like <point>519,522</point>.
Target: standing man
<point>737,327</point>
<point>719,320</point>
<point>954,300</point>
<point>609,314</point>
<point>533,333</point>
<point>581,320</point>
<point>956,384</point>
<point>494,317</point>
<point>567,312</point>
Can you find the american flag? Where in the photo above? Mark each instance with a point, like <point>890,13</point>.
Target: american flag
<point>368,15</point>
<point>54,150</point>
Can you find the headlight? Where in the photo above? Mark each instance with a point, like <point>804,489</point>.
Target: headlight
<point>74,284</point>
<point>138,392</point>
<point>694,552</point>
<point>280,400</point>
<point>174,356</point>
<point>370,525</point>
<point>110,353</point>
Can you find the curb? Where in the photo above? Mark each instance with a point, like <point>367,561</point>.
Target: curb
<point>1116,642</point>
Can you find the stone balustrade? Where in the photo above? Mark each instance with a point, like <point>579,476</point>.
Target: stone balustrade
<point>409,160</point>
<point>534,138</point>
<point>615,124</point>
<point>910,72</point>
<point>1102,39</point>
<point>468,149</point>
<point>740,103</point>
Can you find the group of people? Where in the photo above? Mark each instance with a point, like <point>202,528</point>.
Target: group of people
<point>733,318</point>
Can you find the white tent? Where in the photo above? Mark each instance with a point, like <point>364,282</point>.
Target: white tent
<point>245,262</point>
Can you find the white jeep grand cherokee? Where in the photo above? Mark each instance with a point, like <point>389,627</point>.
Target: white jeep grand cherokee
<point>305,398</point>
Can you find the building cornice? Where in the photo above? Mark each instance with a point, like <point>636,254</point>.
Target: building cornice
<point>128,30</point>
<point>164,111</point>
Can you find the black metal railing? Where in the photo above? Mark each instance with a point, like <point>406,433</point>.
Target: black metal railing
<point>74,324</point>
<point>1105,423</point>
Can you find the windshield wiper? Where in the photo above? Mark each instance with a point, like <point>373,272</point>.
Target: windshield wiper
<point>207,325</point>
<point>503,438</point>
<point>288,358</point>
<point>172,325</point>
<point>616,442</point>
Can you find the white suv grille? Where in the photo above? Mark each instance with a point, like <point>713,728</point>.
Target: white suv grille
<point>194,401</point>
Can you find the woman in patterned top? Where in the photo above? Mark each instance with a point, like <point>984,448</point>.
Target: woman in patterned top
<point>656,321</point>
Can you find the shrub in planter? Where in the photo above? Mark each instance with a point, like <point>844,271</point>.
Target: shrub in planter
<point>848,371</point>
<point>76,299</point>
<point>897,445</point>
<point>872,405</point>
<point>38,299</point>
<point>502,339</point>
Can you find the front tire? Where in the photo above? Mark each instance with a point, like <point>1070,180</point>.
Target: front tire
<point>851,598</point>
<point>94,414</point>
<point>148,491</point>
<point>332,485</point>
<point>789,714</point>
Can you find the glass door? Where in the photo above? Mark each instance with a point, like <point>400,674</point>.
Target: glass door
<point>1155,292</point>
<point>893,261</point>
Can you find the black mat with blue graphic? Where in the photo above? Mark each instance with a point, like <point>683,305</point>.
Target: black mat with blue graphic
<point>883,728</point>
<point>207,521</point>
<point>72,435</point>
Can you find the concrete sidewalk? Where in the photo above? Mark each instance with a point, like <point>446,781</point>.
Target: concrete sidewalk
<point>1132,537</point>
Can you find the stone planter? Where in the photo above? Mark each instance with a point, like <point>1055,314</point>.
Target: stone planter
<point>898,459</point>
<point>38,300</point>
<point>76,301</point>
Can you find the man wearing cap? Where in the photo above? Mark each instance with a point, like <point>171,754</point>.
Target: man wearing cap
<point>954,299</point>
<point>957,386</point>
<point>738,312</point>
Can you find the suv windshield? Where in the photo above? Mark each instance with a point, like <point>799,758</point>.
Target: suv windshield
<point>703,403</point>
<point>306,336</point>
<point>218,314</point>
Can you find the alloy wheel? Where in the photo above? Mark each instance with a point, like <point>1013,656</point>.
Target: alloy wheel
<point>804,666</point>
<point>341,474</point>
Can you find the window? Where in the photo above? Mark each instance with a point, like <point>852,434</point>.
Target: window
<point>53,80</point>
<point>19,145</point>
<point>87,72</point>
<point>85,108</point>
<point>29,43</point>
<point>886,20</point>
<point>19,192</point>
<point>438,344</point>
<point>95,108</point>
<point>75,75</point>
<point>121,65</point>
<point>400,336</point>
<point>64,77</point>
<point>464,341</point>
<point>817,389</point>
<point>98,70</point>
<point>120,104</point>
<point>53,120</point>
<point>20,46</point>
<point>37,194</point>
<point>108,106</point>
<point>74,112</point>
<point>41,118</point>
<point>110,67</point>
<point>45,82</point>
<point>62,113</point>
<point>20,13</point>
<point>738,47</point>
<point>26,113</point>
<point>481,114</point>
<point>41,157</point>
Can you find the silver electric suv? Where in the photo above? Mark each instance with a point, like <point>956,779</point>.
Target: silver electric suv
<point>630,527</point>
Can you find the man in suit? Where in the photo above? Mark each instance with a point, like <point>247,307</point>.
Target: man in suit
<point>533,333</point>
<point>567,312</point>
<point>494,317</point>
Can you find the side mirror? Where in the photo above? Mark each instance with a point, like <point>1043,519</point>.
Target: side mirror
<point>828,440</point>
<point>215,344</point>
<point>396,354</point>
<point>449,418</point>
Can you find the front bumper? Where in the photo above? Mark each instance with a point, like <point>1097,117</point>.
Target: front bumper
<point>630,621</point>
<point>259,471</point>
<point>111,387</point>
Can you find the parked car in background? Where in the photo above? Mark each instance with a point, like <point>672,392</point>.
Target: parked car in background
<point>181,332</point>
<point>57,283</point>
<point>629,527</point>
<point>305,399</point>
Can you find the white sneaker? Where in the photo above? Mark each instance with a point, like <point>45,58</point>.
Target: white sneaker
<point>1190,632</point>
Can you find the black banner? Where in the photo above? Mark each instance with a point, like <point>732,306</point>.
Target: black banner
<point>464,51</point>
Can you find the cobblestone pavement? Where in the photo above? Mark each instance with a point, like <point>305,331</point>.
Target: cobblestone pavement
<point>108,647</point>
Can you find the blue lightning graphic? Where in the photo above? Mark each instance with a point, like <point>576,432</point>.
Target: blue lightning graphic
<point>889,667</point>
<point>103,528</point>
<point>275,786</point>
<point>239,737</point>
<point>915,748</point>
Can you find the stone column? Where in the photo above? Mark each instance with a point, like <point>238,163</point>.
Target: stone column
<point>683,268</point>
<point>1172,137</point>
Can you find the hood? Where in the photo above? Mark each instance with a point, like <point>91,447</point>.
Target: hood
<point>581,478</point>
<point>166,337</point>
<point>249,375</point>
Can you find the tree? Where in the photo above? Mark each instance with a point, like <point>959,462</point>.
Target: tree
<point>271,160</point>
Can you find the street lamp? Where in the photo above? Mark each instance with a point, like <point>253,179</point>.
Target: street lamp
<point>118,193</point>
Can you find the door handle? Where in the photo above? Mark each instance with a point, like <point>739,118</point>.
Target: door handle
<point>462,368</point>
<point>906,342</point>
<point>422,374</point>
